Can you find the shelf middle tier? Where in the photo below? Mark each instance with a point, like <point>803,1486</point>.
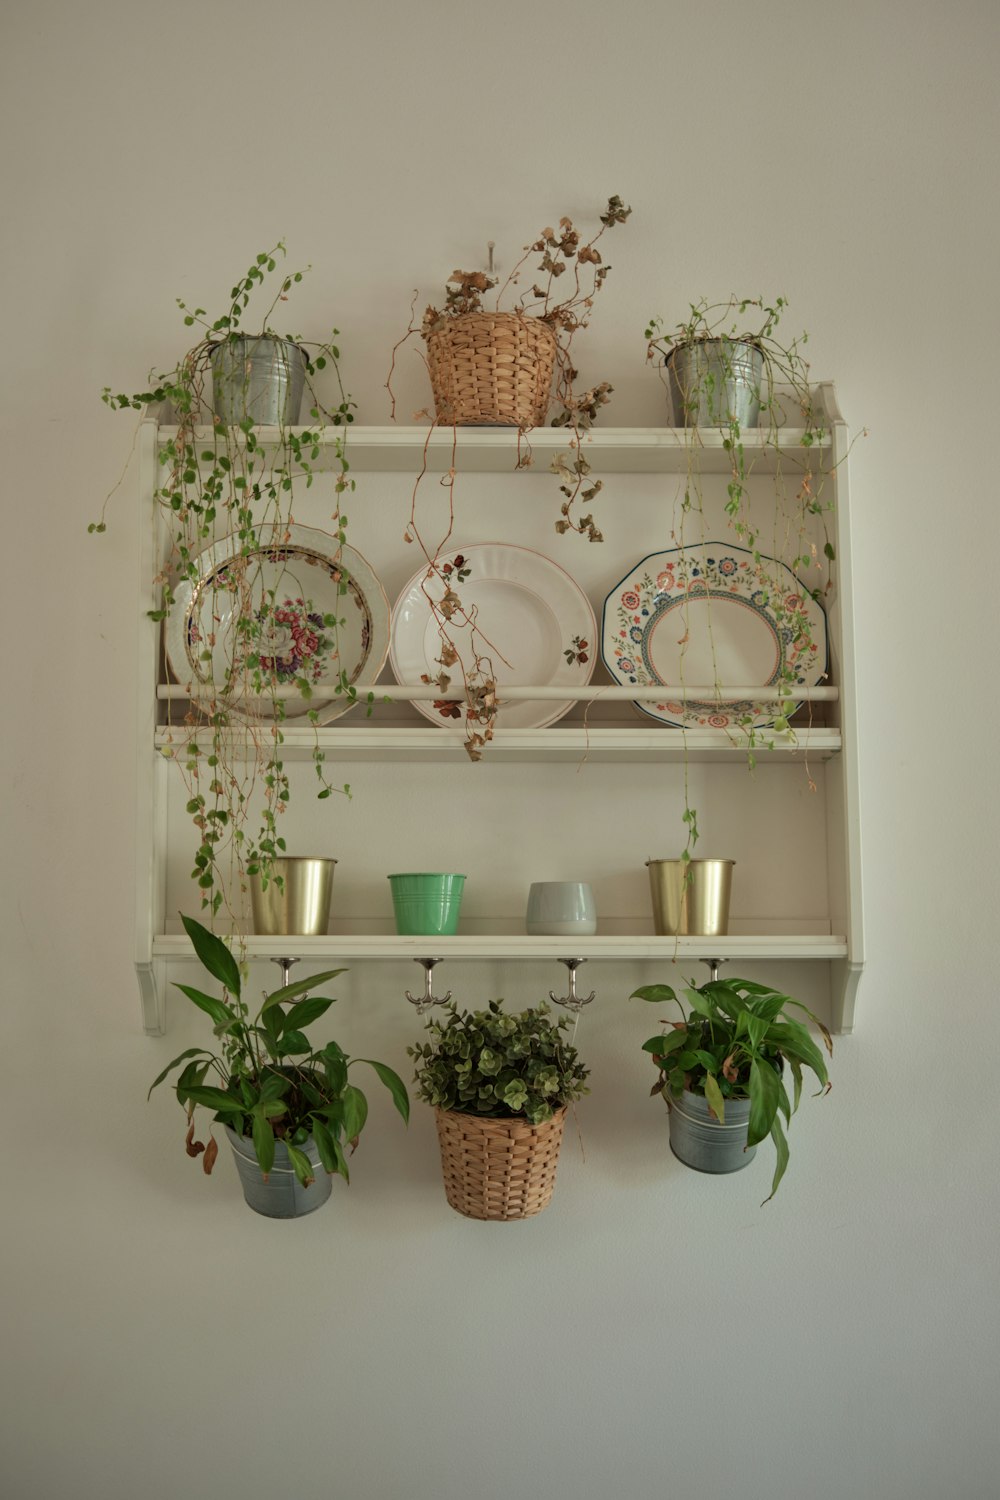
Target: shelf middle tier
<point>665,745</point>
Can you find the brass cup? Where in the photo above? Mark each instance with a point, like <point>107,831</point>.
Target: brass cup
<point>298,906</point>
<point>696,907</point>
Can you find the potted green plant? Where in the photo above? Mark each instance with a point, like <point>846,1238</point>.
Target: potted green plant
<point>287,1107</point>
<point>226,495</point>
<point>499,1085</point>
<point>721,1070</point>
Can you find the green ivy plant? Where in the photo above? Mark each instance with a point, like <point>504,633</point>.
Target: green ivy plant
<point>733,1044</point>
<point>487,1062</point>
<point>796,531</point>
<point>267,1082</point>
<point>220,479</point>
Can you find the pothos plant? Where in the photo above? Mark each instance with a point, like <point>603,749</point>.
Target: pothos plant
<point>221,480</point>
<point>570,273</point>
<point>728,345</point>
<point>264,1079</point>
<point>733,1044</point>
<point>487,1062</point>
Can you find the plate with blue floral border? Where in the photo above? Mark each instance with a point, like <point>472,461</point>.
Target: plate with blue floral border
<point>711,612</point>
<point>297,607</point>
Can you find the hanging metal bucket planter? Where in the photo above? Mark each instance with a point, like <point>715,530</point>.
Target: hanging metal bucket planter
<point>699,1141</point>
<point>715,382</point>
<point>257,379</point>
<point>282,1196</point>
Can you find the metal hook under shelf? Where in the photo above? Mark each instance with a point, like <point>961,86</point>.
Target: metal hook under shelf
<point>572,1001</point>
<point>285,965</point>
<point>713,967</point>
<point>427,999</point>
<point>491,269</point>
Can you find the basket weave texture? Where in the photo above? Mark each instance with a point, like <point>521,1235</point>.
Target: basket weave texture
<point>491,368</point>
<point>498,1169</point>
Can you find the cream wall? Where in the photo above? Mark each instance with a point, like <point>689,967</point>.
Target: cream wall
<point>654,1331</point>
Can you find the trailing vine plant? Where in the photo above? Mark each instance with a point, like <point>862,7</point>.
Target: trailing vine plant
<point>224,480</point>
<point>564,307</point>
<point>739,343</point>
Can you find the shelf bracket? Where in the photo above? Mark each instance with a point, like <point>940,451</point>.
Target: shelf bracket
<point>572,1001</point>
<point>151,976</point>
<point>427,999</point>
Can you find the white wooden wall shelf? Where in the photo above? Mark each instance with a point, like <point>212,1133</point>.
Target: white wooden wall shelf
<point>626,451</point>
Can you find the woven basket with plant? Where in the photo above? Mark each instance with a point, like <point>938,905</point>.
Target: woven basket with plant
<point>491,368</point>
<point>500,1085</point>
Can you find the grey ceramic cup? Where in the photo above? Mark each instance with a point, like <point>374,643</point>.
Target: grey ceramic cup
<point>560,908</point>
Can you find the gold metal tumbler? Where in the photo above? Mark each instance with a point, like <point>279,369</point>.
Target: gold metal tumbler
<point>696,907</point>
<point>300,904</point>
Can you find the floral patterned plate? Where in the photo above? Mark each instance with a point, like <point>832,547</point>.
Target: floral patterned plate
<point>295,592</point>
<point>708,613</point>
<point>525,616</point>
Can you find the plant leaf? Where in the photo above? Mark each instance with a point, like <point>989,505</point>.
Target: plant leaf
<point>303,1166</point>
<point>793,1040</point>
<point>306,1011</point>
<point>210,1004</point>
<point>211,1098</point>
<point>656,994</point>
<point>293,1044</point>
<point>355,1111</point>
<point>764,1083</point>
<point>323,1137</point>
<point>713,1094</point>
<point>263,1140</point>
<point>781,1152</point>
<point>395,1085</point>
<point>214,954</point>
<point>300,987</point>
<point>191,1052</point>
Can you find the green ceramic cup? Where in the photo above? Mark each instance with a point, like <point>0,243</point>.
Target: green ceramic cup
<point>426,903</point>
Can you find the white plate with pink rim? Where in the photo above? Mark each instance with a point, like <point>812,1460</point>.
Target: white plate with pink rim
<point>523,614</point>
<point>708,613</point>
<point>316,609</point>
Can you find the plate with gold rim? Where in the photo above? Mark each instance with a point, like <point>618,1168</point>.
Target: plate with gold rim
<point>299,607</point>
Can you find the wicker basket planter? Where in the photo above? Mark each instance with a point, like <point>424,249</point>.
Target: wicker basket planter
<point>491,369</point>
<point>498,1169</point>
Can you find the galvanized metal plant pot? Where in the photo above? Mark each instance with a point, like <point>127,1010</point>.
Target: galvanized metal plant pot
<point>715,381</point>
<point>699,1141</point>
<point>282,1196</point>
<point>258,380</point>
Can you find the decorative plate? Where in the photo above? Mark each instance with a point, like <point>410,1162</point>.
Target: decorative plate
<point>708,613</point>
<point>317,610</point>
<point>533,624</point>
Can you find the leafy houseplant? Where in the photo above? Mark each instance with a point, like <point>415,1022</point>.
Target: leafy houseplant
<point>500,1085</point>
<point>721,1070</point>
<point>276,1094</point>
<point>505,367</point>
<point>223,483</point>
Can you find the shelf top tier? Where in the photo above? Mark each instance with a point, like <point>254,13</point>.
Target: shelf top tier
<point>637,450</point>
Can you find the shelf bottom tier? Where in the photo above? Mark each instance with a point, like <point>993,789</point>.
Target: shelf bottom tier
<point>515,946</point>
